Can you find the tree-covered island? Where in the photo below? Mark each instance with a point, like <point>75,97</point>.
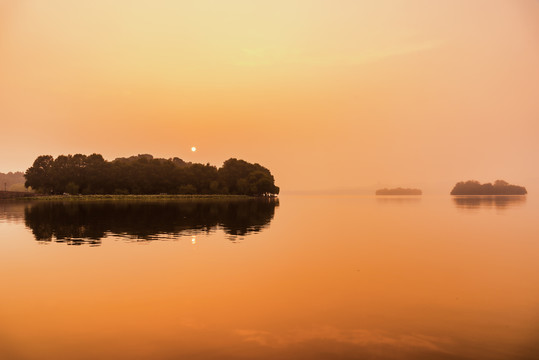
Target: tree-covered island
<point>500,187</point>
<point>398,191</point>
<point>144,174</point>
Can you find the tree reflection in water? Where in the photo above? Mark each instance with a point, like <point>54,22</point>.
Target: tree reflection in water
<point>77,223</point>
<point>474,202</point>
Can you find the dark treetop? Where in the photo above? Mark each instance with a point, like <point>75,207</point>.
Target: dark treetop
<point>500,187</point>
<point>142,174</point>
<point>398,191</point>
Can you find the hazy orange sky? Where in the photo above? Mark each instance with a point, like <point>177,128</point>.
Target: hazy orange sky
<point>326,94</point>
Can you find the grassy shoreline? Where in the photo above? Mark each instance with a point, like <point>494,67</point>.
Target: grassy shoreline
<point>132,197</point>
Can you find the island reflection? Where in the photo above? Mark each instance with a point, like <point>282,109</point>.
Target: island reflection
<point>474,202</point>
<point>77,223</point>
<point>398,199</point>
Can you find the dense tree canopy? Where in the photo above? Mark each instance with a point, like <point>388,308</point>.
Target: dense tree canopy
<point>143,174</point>
<point>500,187</point>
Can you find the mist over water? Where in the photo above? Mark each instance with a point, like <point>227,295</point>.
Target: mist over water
<point>339,100</point>
<point>314,277</point>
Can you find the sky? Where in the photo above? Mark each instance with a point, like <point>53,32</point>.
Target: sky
<point>329,95</point>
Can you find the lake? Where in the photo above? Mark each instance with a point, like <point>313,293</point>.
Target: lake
<point>304,277</point>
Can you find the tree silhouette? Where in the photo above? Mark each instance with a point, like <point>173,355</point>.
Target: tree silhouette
<point>500,187</point>
<point>143,174</point>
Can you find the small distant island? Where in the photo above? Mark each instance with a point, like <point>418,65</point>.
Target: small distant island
<point>145,175</point>
<point>500,187</point>
<point>399,191</point>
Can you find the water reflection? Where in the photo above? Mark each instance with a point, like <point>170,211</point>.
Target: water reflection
<point>11,211</point>
<point>390,284</point>
<point>397,199</point>
<point>488,201</point>
<point>78,223</point>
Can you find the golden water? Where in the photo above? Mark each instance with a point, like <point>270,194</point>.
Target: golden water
<point>316,277</point>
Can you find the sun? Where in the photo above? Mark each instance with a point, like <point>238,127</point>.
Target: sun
<point>193,149</point>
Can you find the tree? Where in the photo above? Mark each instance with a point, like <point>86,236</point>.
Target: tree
<point>144,174</point>
<point>72,188</point>
<point>241,177</point>
<point>39,176</point>
<point>500,187</point>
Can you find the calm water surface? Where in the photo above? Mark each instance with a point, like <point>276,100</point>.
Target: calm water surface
<point>303,278</point>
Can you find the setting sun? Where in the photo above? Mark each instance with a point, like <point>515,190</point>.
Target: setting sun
<point>193,149</point>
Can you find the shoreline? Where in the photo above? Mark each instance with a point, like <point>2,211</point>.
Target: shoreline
<point>132,197</point>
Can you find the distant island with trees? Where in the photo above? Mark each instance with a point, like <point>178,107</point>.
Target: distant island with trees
<point>399,191</point>
<point>144,174</point>
<point>500,187</point>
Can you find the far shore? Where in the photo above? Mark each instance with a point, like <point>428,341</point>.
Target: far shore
<point>29,196</point>
<point>399,191</point>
